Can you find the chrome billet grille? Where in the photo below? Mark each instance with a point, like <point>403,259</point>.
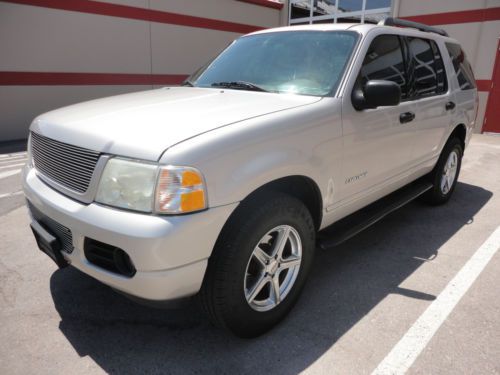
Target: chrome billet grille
<point>62,233</point>
<point>68,165</point>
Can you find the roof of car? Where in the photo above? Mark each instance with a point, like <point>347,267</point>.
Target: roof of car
<point>316,27</point>
<point>362,28</point>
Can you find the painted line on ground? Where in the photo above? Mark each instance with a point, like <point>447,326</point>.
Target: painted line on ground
<point>406,351</point>
<point>12,160</point>
<point>12,155</point>
<point>11,194</point>
<point>9,173</point>
<point>16,155</point>
<point>11,166</point>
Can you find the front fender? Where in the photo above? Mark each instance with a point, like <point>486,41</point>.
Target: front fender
<point>238,159</point>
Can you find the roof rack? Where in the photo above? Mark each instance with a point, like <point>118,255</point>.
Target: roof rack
<point>391,21</point>
<point>353,19</point>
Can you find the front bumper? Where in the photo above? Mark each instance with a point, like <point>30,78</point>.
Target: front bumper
<point>170,253</point>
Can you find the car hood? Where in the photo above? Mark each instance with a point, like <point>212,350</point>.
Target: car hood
<point>143,125</point>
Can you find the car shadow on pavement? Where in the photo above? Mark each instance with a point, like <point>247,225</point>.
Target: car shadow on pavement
<point>345,284</point>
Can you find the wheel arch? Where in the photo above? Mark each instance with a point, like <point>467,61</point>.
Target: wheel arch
<point>460,132</point>
<point>300,187</point>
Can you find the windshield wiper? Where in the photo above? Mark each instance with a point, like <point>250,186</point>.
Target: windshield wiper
<point>239,85</point>
<point>187,82</point>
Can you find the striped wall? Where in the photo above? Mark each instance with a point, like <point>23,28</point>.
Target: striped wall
<point>59,52</point>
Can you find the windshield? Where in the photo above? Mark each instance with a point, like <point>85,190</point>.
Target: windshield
<point>298,62</point>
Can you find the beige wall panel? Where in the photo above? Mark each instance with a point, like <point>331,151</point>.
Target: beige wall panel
<point>418,7</point>
<point>19,105</point>
<point>479,41</point>
<point>486,50</point>
<point>483,100</point>
<point>492,3</point>
<point>284,14</point>
<point>468,35</point>
<point>227,10</point>
<point>182,50</point>
<point>41,39</point>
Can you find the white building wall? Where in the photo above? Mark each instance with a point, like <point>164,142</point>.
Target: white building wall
<point>42,39</point>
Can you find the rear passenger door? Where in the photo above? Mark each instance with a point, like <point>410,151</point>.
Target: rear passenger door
<point>428,88</point>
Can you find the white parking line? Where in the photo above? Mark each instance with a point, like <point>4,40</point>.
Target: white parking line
<point>11,166</point>
<point>9,173</point>
<point>406,351</point>
<point>12,156</point>
<point>13,160</point>
<point>11,194</point>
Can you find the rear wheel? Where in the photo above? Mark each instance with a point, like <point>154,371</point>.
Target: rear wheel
<point>444,176</point>
<point>259,264</point>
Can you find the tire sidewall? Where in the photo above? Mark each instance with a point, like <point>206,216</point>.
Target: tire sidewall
<point>238,313</point>
<point>453,145</point>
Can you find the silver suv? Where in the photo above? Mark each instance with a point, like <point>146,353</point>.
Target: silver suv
<point>223,187</point>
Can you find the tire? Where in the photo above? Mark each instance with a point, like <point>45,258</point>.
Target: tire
<point>236,267</point>
<point>444,176</point>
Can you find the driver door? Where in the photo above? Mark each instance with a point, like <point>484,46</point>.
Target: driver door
<point>377,142</point>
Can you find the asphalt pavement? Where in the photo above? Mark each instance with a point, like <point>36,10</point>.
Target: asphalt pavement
<point>363,300</point>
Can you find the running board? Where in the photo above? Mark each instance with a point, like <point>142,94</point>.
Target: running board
<point>351,225</point>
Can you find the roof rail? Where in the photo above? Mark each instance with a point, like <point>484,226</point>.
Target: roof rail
<point>391,21</point>
<point>353,19</point>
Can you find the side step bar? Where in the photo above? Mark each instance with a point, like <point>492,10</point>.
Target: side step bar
<point>351,225</point>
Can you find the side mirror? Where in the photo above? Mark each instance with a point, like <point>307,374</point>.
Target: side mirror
<point>376,93</point>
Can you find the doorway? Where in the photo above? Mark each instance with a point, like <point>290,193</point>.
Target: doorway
<point>491,122</point>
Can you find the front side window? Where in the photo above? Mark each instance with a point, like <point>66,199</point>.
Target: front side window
<point>298,62</point>
<point>462,67</point>
<point>428,76</point>
<point>384,61</point>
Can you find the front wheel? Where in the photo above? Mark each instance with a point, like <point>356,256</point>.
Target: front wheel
<point>259,264</point>
<point>444,176</point>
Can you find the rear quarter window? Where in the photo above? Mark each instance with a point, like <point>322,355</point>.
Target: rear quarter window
<point>463,70</point>
<point>429,76</point>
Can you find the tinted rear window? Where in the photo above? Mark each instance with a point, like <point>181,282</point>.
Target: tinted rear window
<point>462,67</point>
<point>429,76</point>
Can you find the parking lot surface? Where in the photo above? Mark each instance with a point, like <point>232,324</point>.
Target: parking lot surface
<point>361,300</point>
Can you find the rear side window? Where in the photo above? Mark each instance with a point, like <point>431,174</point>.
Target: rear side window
<point>427,74</point>
<point>462,67</point>
<point>384,60</point>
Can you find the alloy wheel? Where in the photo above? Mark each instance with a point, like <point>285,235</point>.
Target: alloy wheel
<point>273,268</point>
<point>449,172</point>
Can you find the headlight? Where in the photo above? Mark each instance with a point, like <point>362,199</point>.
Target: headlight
<point>128,184</point>
<point>146,187</point>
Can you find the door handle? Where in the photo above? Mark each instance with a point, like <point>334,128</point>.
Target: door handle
<point>406,117</point>
<point>449,106</point>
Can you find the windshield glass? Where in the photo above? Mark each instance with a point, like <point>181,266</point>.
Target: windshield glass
<point>298,62</point>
